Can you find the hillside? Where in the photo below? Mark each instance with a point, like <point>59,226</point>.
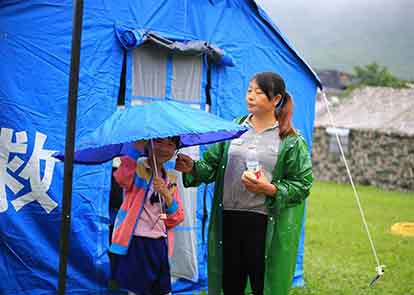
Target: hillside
<point>341,34</point>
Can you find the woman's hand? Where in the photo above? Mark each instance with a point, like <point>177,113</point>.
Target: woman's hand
<point>184,163</point>
<point>258,185</point>
<point>161,187</point>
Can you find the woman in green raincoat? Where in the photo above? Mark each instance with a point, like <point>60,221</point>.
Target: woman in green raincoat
<point>257,216</point>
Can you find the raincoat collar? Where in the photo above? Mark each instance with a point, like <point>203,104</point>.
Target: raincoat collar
<point>248,123</point>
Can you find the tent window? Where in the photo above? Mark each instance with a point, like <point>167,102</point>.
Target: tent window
<point>149,71</point>
<point>157,73</point>
<point>186,78</point>
<point>343,137</point>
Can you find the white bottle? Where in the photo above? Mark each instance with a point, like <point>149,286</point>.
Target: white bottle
<point>252,161</point>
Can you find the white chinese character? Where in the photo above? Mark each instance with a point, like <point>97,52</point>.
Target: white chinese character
<point>39,185</point>
<point>7,147</point>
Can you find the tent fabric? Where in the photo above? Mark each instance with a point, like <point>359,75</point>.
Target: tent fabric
<point>35,40</point>
<point>34,71</point>
<point>131,38</point>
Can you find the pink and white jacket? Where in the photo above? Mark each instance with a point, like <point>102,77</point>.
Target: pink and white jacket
<point>136,180</point>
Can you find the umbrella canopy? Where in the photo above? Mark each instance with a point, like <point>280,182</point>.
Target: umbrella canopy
<point>153,120</point>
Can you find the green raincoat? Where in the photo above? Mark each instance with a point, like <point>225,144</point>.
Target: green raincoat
<point>293,178</point>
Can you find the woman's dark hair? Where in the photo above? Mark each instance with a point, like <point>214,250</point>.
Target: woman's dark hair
<point>272,84</point>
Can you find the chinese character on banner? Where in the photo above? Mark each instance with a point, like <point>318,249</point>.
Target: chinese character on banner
<point>39,184</point>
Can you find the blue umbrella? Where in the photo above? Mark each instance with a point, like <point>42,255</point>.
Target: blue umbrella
<point>149,121</point>
<point>158,119</point>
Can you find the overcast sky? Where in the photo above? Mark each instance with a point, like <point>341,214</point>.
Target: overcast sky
<point>363,31</point>
<point>368,13</point>
<point>336,6</point>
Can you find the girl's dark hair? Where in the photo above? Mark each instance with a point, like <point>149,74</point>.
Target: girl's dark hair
<point>272,84</point>
<point>177,141</point>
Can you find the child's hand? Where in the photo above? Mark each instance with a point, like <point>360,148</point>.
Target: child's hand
<point>161,187</point>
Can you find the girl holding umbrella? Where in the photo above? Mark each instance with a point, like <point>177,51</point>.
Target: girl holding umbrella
<point>142,235</point>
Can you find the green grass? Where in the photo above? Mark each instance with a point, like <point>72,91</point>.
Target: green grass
<point>338,257</point>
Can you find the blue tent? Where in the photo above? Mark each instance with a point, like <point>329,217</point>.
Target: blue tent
<point>214,46</point>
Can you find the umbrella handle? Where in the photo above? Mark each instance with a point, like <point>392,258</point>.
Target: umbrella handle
<point>154,162</point>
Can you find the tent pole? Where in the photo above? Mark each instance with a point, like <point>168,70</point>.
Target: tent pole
<point>70,143</point>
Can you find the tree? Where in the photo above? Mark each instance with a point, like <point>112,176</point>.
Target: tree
<point>377,75</point>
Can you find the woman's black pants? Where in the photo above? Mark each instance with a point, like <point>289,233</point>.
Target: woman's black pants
<point>244,237</point>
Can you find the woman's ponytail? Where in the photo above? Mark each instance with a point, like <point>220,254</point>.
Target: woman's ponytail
<point>284,113</point>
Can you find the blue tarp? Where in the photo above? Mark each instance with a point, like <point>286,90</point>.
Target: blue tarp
<point>35,39</point>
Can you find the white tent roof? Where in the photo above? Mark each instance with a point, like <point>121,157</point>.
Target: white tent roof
<point>386,109</point>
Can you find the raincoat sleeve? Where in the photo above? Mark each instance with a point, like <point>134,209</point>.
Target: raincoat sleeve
<point>125,173</point>
<point>297,181</point>
<point>205,170</point>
